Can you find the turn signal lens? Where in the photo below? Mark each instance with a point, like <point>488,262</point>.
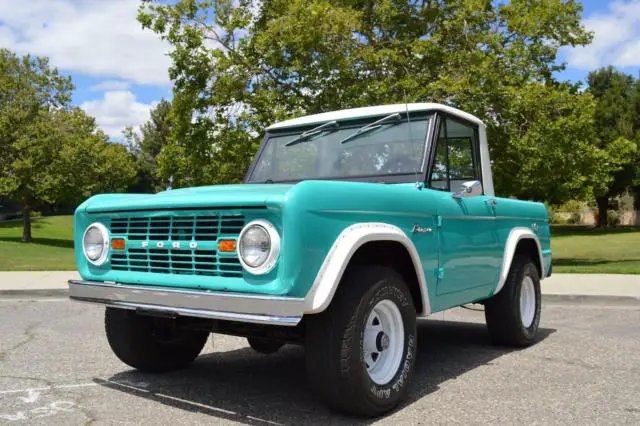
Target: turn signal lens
<point>227,246</point>
<point>117,244</point>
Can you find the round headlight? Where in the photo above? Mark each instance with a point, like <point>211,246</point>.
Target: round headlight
<point>258,247</point>
<point>95,243</point>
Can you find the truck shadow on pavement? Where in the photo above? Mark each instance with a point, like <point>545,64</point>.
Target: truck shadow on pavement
<point>244,386</point>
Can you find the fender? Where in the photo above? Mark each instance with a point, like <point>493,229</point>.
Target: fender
<point>514,237</point>
<point>348,242</point>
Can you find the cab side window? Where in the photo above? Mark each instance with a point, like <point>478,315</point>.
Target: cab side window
<point>456,158</point>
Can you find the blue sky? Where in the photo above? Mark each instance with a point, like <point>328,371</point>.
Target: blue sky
<point>120,71</point>
<point>616,27</point>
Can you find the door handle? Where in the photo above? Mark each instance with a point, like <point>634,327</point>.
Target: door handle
<point>491,202</point>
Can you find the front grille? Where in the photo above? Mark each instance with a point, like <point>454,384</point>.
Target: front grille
<point>151,244</point>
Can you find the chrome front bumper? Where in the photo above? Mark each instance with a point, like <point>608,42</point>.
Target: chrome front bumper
<point>256,309</point>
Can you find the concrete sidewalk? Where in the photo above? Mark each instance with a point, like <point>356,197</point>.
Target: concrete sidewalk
<point>36,283</point>
<point>558,287</point>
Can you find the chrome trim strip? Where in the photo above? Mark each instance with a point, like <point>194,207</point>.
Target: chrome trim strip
<point>275,310</point>
<point>538,219</point>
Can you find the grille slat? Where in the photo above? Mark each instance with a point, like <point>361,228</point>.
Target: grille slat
<point>202,229</point>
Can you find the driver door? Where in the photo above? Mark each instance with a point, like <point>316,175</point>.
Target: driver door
<point>468,249</point>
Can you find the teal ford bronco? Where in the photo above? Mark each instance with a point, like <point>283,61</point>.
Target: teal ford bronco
<point>348,227</point>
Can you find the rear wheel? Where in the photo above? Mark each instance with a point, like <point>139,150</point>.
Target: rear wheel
<point>360,352</point>
<point>152,344</point>
<point>513,315</point>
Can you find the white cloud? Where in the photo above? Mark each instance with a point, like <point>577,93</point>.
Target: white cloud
<point>93,37</point>
<point>117,110</point>
<point>109,85</point>
<point>616,38</point>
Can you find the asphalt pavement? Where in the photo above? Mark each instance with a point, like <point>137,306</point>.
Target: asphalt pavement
<point>56,368</point>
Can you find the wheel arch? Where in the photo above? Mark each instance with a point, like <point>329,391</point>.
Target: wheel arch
<point>360,243</point>
<point>521,240</point>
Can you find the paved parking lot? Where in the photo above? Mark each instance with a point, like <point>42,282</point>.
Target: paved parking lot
<point>56,368</point>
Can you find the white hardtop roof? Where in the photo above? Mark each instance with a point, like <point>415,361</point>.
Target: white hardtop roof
<point>371,111</point>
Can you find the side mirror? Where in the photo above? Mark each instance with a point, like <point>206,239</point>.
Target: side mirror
<point>469,189</point>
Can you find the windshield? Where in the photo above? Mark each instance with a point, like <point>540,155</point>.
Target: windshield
<point>393,147</point>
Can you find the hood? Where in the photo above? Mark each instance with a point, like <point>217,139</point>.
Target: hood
<point>243,195</point>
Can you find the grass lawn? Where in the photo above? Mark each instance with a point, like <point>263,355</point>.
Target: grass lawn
<point>51,249</point>
<point>575,248</point>
<point>586,250</point>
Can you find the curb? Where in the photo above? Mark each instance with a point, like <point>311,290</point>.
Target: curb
<point>602,299</point>
<point>44,293</point>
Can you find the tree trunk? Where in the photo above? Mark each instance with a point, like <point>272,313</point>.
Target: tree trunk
<point>603,205</point>
<point>26,228</point>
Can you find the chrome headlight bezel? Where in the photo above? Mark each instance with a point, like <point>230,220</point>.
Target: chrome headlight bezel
<point>104,255</point>
<point>274,247</point>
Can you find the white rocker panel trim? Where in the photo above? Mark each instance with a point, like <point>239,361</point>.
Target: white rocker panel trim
<point>515,236</point>
<point>348,242</point>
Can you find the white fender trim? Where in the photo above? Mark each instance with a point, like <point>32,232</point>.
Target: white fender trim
<point>336,261</point>
<point>515,236</point>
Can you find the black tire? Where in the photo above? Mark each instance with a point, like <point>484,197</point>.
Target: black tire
<point>502,311</point>
<point>151,344</point>
<point>335,343</point>
<point>265,346</point>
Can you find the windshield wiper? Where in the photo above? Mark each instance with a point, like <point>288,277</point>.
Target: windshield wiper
<point>306,135</point>
<point>370,126</point>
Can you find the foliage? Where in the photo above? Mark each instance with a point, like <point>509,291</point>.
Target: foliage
<point>613,218</point>
<point>575,218</point>
<point>238,67</point>
<point>50,152</point>
<point>147,145</point>
<point>572,206</point>
<point>617,132</point>
<point>559,220</point>
<point>546,131</point>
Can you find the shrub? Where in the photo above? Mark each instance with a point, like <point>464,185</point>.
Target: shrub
<point>613,218</point>
<point>551,212</point>
<point>572,206</point>
<point>575,219</point>
<point>558,220</point>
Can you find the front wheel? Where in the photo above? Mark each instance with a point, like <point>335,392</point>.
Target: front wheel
<point>265,346</point>
<point>513,315</point>
<point>360,352</point>
<point>151,344</point>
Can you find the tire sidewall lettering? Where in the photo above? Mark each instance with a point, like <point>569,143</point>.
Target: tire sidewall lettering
<point>398,384</point>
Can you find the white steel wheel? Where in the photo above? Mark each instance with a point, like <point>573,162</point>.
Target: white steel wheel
<point>383,342</point>
<point>527,302</point>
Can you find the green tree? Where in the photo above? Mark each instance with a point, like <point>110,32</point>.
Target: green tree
<point>147,145</point>
<point>50,152</point>
<point>237,68</point>
<point>551,153</point>
<point>29,90</point>
<point>616,132</point>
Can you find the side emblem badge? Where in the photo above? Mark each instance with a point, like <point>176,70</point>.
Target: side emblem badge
<point>421,230</point>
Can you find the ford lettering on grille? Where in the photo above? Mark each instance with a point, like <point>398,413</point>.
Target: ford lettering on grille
<point>174,244</point>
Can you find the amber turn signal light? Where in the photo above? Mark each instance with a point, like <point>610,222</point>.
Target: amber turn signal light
<point>117,244</point>
<point>227,245</point>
